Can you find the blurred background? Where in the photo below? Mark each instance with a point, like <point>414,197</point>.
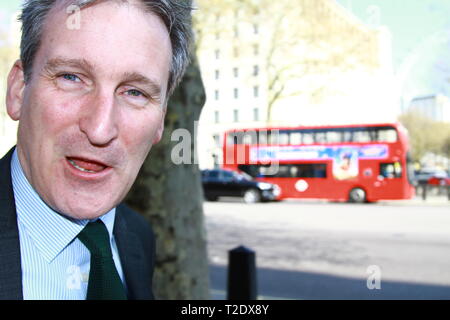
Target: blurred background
<point>319,64</point>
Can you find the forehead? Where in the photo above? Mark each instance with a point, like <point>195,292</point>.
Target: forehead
<point>111,35</point>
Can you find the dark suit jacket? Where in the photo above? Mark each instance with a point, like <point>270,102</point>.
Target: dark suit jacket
<point>133,234</point>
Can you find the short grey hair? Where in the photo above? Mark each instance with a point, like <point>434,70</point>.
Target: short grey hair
<point>176,15</point>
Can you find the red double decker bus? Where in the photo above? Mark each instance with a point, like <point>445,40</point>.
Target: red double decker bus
<point>356,163</point>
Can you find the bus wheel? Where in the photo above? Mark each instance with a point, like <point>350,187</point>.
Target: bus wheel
<point>357,195</point>
<point>252,196</point>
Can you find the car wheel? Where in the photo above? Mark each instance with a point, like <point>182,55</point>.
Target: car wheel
<point>357,195</point>
<point>252,196</point>
<point>211,198</point>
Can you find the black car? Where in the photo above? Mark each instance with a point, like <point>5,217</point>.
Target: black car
<point>226,183</point>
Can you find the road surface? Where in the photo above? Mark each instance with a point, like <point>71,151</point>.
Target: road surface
<point>320,250</point>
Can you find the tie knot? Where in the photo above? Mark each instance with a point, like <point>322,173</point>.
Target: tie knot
<point>95,237</point>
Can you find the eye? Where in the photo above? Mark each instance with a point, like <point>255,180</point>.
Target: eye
<point>69,82</point>
<point>136,97</point>
<point>70,77</point>
<point>135,93</point>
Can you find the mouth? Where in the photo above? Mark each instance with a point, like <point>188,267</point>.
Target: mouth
<point>87,165</point>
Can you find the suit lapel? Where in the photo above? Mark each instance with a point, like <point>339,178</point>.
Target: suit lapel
<point>10,262</point>
<point>130,251</point>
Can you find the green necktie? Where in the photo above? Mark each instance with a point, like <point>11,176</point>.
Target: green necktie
<point>104,281</point>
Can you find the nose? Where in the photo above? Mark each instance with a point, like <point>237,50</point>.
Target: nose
<point>99,120</point>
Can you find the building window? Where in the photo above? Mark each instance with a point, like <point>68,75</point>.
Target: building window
<point>255,70</point>
<point>217,54</point>
<point>255,28</point>
<point>236,115</point>
<point>236,93</point>
<point>216,94</point>
<point>216,138</point>
<point>236,31</point>
<point>256,114</point>
<point>217,74</point>
<point>217,35</point>
<point>255,49</point>
<point>236,52</point>
<point>236,72</point>
<point>255,91</point>
<point>216,117</point>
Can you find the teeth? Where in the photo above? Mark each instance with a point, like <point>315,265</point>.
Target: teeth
<point>79,168</point>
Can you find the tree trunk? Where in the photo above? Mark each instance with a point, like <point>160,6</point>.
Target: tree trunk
<point>170,196</point>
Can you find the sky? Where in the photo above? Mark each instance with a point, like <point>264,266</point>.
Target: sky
<point>6,8</point>
<point>9,5</point>
<point>420,40</point>
<point>411,22</point>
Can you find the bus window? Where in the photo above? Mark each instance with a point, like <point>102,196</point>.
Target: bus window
<point>264,171</point>
<point>283,172</point>
<point>293,171</point>
<point>296,138</point>
<point>373,134</point>
<point>334,137</point>
<point>284,138</point>
<point>311,170</point>
<point>273,136</point>
<point>320,137</point>
<point>231,138</point>
<point>387,135</point>
<point>242,137</point>
<point>391,170</point>
<point>361,136</point>
<point>348,136</point>
<point>262,137</point>
<point>308,138</point>
<point>250,137</point>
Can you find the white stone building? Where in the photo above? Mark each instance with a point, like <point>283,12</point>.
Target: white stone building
<point>436,107</point>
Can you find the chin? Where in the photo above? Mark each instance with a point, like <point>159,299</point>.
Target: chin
<point>87,211</point>
<point>81,202</point>
<point>85,215</point>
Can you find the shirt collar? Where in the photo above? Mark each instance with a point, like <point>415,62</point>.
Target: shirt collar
<point>50,231</point>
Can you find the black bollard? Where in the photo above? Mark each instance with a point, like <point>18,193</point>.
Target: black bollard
<point>424,191</point>
<point>242,274</point>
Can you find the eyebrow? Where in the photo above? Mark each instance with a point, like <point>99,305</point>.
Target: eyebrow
<point>56,63</point>
<point>136,77</point>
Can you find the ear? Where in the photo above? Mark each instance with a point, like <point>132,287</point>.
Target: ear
<point>160,129</point>
<point>14,92</point>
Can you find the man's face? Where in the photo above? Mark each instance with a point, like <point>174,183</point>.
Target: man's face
<point>94,106</point>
